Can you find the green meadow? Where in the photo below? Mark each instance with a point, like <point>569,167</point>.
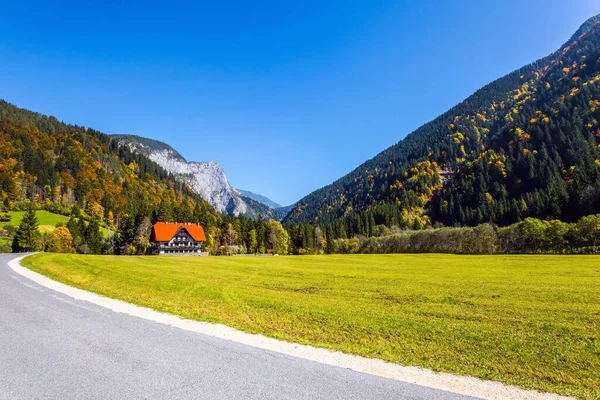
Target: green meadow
<point>531,321</point>
<point>47,221</point>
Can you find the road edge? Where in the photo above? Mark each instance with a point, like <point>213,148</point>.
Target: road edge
<point>463,385</point>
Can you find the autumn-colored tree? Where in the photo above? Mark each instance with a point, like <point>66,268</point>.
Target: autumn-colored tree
<point>230,235</point>
<point>320,240</point>
<point>278,237</point>
<point>213,238</point>
<point>141,240</point>
<point>110,219</point>
<point>95,210</point>
<point>60,241</point>
<point>252,242</point>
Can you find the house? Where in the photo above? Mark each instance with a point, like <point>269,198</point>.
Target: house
<point>170,238</point>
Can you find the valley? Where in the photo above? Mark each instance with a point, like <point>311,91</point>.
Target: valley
<point>469,246</point>
<point>524,320</point>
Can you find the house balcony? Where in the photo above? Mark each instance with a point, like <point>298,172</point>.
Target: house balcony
<point>179,246</point>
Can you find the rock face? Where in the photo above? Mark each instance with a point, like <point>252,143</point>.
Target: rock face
<point>205,178</point>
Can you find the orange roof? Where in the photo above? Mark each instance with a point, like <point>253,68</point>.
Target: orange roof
<point>164,231</point>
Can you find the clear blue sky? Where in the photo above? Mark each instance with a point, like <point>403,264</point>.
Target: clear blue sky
<point>286,96</point>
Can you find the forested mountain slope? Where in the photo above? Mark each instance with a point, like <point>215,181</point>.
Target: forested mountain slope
<point>205,178</point>
<point>54,165</point>
<point>87,175</point>
<point>524,145</point>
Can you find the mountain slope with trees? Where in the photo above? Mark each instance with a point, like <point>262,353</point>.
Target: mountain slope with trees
<point>207,179</point>
<point>75,171</point>
<point>526,145</point>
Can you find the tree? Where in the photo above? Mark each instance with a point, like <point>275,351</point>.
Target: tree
<point>330,242</point>
<point>588,230</point>
<point>93,237</point>
<point>555,233</point>
<point>76,234</point>
<point>230,236</point>
<point>278,237</point>
<point>27,236</point>
<point>95,210</point>
<point>213,238</point>
<point>142,236</point>
<point>5,217</point>
<point>320,241</point>
<point>252,242</point>
<point>125,234</point>
<point>110,220</point>
<point>60,241</point>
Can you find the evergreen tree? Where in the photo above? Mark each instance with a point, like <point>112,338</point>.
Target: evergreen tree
<point>330,241</point>
<point>93,237</point>
<point>27,237</point>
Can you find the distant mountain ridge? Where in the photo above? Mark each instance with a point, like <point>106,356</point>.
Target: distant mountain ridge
<point>260,198</point>
<point>262,210</point>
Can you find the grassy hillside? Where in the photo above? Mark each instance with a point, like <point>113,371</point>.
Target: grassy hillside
<point>47,221</point>
<point>525,320</point>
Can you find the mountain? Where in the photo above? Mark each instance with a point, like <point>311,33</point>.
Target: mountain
<point>260,198</point>
<point>205,178</point>
<point>70,169</point>
<point>525,145</point>
<point>79,172</point>
<point>262,210</point>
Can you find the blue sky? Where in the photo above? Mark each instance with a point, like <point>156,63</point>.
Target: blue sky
<point>286,96</point>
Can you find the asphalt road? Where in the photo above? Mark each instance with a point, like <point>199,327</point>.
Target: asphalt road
<point>55,347</point>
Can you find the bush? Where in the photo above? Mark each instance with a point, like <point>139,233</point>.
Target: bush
<point>529,236</point>
<point>10,230</point>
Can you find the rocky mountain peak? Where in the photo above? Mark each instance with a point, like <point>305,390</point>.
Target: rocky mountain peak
<point>205,178</point>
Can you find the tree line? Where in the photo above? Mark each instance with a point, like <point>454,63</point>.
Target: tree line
<point>229,236</point>
<point>528,236</point>
<point>241,236</point>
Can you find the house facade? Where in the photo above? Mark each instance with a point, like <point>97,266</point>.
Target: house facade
<point>173,238</point>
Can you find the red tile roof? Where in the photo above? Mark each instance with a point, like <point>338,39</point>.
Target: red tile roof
<point>165,231</point>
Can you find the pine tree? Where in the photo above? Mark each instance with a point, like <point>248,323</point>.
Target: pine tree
<point>27,236</point>
<point>330,244</point>
<point>93,237</point>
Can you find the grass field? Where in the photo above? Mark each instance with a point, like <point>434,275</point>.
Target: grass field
<point>533,321</point>
<point>47,221</point>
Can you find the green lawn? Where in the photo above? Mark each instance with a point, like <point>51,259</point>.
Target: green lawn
<point>533,321</point>
<point>47,221</point>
